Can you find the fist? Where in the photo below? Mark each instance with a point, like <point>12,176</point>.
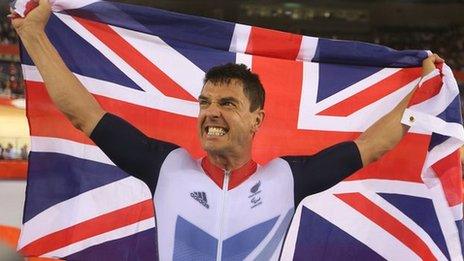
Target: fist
<point>428,65</point>
<point>37,14</point>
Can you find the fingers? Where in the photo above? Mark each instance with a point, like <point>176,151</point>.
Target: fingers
<point>435,58</point>
<point>35,16</point>
<point>43,3</point>
<point>428,64</point>
<point>13,14</point>
<point>438,59</point>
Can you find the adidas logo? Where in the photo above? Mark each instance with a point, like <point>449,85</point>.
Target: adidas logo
<point>200,197</point>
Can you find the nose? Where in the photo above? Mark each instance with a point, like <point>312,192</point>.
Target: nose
<point>212,110</point>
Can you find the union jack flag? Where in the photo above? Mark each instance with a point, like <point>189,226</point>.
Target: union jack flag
<point>147,66</point>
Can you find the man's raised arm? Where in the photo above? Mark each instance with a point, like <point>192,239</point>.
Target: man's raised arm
<point>387,132</point>
<point>67,93</point>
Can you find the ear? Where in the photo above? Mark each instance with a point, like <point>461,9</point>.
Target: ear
<point>258,121</point>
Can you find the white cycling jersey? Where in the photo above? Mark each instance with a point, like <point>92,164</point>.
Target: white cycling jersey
<point>205,213</point>
<point>199,220</point>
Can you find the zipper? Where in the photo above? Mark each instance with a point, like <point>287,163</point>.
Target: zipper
<point>225,188</point>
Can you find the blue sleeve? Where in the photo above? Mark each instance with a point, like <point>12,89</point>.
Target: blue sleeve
<point>318,172</point>
<point>130,149</point>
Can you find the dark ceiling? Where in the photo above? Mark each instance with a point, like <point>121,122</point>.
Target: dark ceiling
<point>324,17</point>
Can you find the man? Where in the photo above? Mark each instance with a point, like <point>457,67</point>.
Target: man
<point>223,206</point>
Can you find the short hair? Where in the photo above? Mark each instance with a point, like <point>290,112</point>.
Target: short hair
<point>252,86</point>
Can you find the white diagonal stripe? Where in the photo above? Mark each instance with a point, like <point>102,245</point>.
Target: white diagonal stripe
<point>356,88</point>
<point>116,91</point>
<point>109,54</point>
<point>435,193</point>
<point>70,148</point>
<point>357,121</point>
<point>406,221</point>
<point>111,235</point>
<point>359,226</point>
<point>85,206</point>
<point>180,69</point>
<point>382,186</point>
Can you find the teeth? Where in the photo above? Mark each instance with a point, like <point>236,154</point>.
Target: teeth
<point>216,131</point>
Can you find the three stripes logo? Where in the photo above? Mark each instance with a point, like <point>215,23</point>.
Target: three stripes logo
<point>200,197</point>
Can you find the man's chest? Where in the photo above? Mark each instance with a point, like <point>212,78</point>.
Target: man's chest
<point>189,205</point>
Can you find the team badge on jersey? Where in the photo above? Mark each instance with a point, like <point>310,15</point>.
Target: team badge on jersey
<point>255,198</point>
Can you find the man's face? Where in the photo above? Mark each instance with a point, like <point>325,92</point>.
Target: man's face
<point>225,123</point>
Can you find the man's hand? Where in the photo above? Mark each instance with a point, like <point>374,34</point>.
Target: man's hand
<point>35,20</point>
<point>428,65</point>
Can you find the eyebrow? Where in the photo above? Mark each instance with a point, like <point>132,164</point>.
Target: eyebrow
<point>229,99</point>
<point>225,99</point>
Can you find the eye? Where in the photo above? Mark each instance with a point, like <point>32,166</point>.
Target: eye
<point>227,104</point>
<point>203,103</point>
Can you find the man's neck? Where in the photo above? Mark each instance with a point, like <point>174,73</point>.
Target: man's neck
<point>229,162</point>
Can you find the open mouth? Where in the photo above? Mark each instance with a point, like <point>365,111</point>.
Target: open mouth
<point>216,131</point>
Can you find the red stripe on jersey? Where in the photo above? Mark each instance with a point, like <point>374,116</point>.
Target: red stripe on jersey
<point>389,223</point>
<point>284,45</point>
<point>90,228</point>
<point>373,93</point>
<point>136,59</point>
<point>449,172</point>
<point>237,176</point>
<point>428,89</point>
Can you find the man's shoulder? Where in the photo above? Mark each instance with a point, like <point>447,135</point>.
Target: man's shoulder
<point>276,170</point>
<point>275,164</point>
<point>179,153</point>
<point>180,158</point>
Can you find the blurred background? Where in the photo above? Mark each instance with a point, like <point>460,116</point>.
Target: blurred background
<point>400,24</point>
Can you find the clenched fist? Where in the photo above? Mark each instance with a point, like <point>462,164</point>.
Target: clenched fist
<point>34,21</point>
